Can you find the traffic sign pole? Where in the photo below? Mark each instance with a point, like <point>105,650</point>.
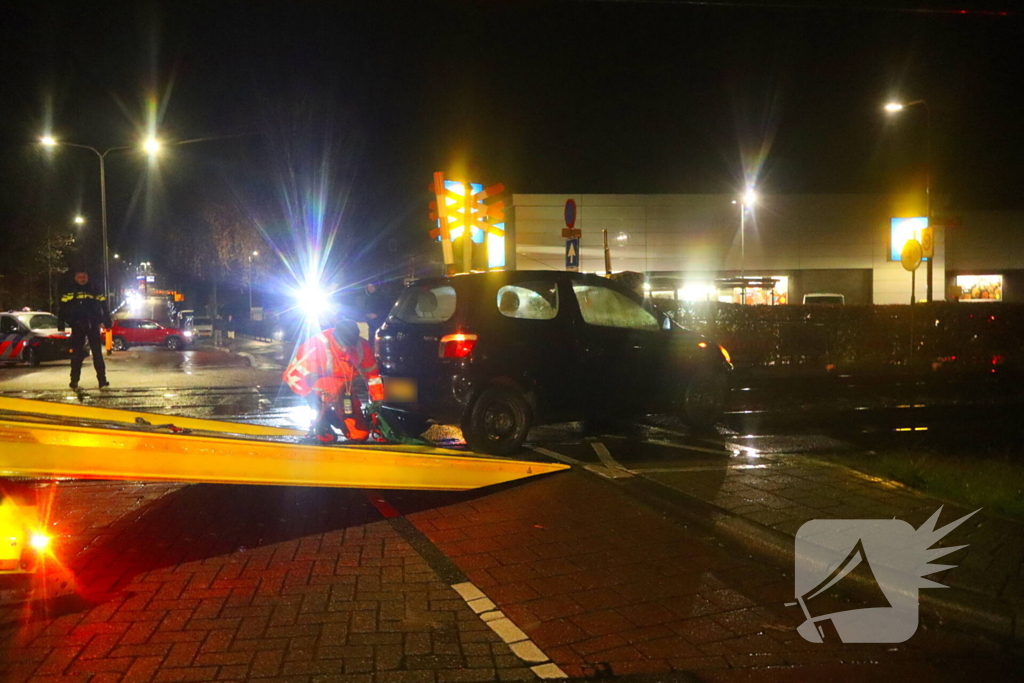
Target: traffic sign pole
<point>572,237</point>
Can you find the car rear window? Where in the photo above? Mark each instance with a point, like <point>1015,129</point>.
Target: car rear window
<point>422,305</point>
<point>202,321</point>
<point>529,301</point>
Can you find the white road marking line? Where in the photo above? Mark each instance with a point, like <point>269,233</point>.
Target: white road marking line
<point>608,473</point>
<point>557,456</point>
<point>697,468</point>
<point>660,442</point>
<point>514,637</point>
<point>606,458</point>
<point>717,442</point>
<point>548,671</point>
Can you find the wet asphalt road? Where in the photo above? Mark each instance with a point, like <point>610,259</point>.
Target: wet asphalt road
<point>792,413</point>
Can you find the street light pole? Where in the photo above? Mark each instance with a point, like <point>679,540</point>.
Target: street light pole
<point>748,199</point>
<point>892,108</point>
<point>255,253</point>
<point>151,146</point>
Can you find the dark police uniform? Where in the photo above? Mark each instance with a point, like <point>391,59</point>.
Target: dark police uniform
<point>84,309</point>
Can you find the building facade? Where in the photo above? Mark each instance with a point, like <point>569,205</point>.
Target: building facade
<point>697,246</point>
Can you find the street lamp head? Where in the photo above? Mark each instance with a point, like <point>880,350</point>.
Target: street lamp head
<point>255,253</point>
<point>151,146</point>
<point>79,220</point>
<point>749,197</point>
<point>48,141</point>
<point>894,107</point>
<point>117,256</point>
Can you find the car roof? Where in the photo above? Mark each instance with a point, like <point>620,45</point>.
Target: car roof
<point>526,276</point>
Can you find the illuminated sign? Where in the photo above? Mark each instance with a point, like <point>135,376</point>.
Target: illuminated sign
<point>980,287</point>
<point>902,230</point>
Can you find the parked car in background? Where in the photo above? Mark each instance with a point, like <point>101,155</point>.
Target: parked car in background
<point>498,353</point>
<point>32,337</point>
<point>130,332</point>
<point>202,326</point>
<point>825,298</point>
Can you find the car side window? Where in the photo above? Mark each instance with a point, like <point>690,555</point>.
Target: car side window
<point>422,305</point>
<point>127,324</point>
<point>528,300</point>
<point>149,325</point>
<point>605,307</point>
<point>8,325</point>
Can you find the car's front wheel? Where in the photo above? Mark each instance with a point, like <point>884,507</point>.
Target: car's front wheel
<point>498,421</point>
<point>120,344</point>
<point>704,398</point>
<point>174,343</point>
<point>31,356</point>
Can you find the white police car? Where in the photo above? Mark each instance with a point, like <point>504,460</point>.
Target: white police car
<point>32,337</point>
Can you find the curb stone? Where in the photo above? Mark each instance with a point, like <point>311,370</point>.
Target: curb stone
<point>950,604</point>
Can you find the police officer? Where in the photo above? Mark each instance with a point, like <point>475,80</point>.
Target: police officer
<point>84,309</point>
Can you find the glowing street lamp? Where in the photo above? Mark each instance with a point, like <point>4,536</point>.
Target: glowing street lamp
<point>893,108</point>
<point>151,147</point>
<point>79,220</point>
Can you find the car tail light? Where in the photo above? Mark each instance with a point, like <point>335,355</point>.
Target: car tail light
<point>456,345</point>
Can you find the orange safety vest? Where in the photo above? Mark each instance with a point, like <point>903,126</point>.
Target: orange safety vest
<point>321,363</point>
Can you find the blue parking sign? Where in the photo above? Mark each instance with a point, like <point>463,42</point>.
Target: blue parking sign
<point>572,254</point>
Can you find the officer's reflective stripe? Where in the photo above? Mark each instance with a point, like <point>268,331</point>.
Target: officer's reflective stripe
<point>374,381</point>
<point>71,296</point>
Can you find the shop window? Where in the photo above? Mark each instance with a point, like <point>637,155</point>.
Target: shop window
<point>980,287</point>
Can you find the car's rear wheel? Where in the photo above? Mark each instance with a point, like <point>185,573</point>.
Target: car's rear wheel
<point>120,343</point>
<point>498,421</point>
<point>174,343</point>
<point>704,398</point>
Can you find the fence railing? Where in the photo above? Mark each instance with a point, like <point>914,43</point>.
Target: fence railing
<point>939,332</point>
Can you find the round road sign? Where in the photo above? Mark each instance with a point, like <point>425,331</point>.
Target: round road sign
<point>570,213</point>
<point>911,255</point>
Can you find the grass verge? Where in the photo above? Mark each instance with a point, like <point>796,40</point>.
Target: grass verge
<point>994,483</point>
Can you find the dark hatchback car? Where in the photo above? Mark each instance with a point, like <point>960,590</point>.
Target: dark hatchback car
<point>498,353</point>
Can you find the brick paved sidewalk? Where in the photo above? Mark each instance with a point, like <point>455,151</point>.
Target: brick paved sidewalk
<point>605,585</point>
<point>784,492</point>
<point>203,583</point>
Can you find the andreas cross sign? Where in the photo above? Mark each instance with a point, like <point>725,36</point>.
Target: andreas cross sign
<point>460,211</point>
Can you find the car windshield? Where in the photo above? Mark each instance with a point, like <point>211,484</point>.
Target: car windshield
<point>38,321</point>
<point>202,321</point>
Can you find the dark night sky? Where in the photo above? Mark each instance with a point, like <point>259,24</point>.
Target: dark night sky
<point>588,96</point>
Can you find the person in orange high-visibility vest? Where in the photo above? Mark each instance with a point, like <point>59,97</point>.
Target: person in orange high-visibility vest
<point>323,371</point>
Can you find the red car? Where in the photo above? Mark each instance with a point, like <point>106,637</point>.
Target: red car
<point>137,331</point>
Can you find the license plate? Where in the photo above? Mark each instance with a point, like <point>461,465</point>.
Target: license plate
<point>400,389</point>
